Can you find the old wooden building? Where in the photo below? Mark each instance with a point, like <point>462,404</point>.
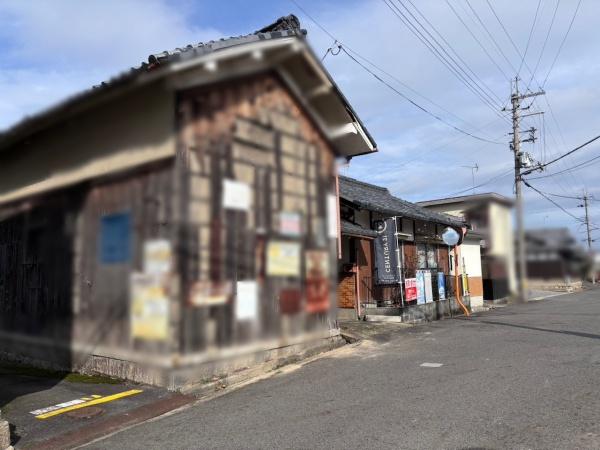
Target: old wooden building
<point>181,214</point>
<point>424,272</point>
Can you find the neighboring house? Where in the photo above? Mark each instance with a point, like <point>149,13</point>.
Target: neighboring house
<point>554,259</point>
<point>179,214</point>
<point>490,216</point>
<point>365,209</point>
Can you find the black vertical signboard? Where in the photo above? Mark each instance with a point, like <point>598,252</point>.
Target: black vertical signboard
<point>386,246</point>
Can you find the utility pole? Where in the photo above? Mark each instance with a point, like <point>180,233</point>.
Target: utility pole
<point>589,236</point>
<point>515,99</point>
<point>474,169</point>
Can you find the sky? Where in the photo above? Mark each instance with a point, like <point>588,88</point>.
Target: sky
<point>54,49</point>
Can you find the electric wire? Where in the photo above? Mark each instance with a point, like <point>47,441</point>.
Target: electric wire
<point>447,61</point>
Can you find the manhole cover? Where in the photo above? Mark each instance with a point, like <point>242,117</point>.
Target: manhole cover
<point>85,413</point>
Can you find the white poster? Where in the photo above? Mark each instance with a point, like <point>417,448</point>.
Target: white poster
<point>236,195</point>
<point>332,216</point>
<point>246,302</point>
<point>428,288</point>
<point>157,256</point>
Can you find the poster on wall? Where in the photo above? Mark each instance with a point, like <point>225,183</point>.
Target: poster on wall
<point>290,223</point>
<point>317,281</point>
<point>410,289</point>
<point>115,238</point>
<point>386,258</point>
<point>441,285</point>
<point>157,256</point>
<point>428,287</point>
<point>149,307</point>
<point>420,287</point>
<point>236,195</point>
<point>210,293</point>
<point>283,259</point>
<point>246,301</point>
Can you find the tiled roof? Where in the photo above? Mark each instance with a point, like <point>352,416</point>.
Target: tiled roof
<point>284,27</point>
<point>379,199</point>
<point>355,229</point>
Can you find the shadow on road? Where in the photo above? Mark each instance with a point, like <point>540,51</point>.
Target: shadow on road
<point>527,327</point>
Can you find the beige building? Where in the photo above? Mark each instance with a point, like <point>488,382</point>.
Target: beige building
<point>490,216</point>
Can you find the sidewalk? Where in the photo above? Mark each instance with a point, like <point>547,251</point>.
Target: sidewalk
<point>49,409</point>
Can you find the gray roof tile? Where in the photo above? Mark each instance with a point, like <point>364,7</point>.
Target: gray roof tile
<point>379,199</point>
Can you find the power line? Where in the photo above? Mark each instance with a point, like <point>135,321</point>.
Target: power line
<point>542,166</point>
<point>537,10</point>
<point>551,201</point>
<point>448,61</point>
<point>491,180</point>
<point>451,48</point>
<point>372,64</point>
<point>460,130</point>
<point>577,166</point>
<point>562,43</point>
<point>477,40</point>
<point>490,36</point>
<point>543,45</point>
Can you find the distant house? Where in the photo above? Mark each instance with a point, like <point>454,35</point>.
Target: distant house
<point>179,215</point>
<point>555,259</point>
<point>490,216</point>
<point>370,212</point>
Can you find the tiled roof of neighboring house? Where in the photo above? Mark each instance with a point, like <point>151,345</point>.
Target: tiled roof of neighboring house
<point>282,28</point>
<point>484,197</point>
<point>378,199</point>
<point>355,229</point>
<point>549,239</point>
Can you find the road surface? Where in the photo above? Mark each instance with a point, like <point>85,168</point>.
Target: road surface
<point>523,376</point>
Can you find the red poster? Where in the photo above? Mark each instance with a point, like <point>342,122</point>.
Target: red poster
<point>410,285</point>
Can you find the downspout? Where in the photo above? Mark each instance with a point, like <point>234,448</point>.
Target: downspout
<point>456,276</point>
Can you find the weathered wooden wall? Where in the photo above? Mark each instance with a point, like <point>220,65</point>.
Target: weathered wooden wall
<point>253,131</point>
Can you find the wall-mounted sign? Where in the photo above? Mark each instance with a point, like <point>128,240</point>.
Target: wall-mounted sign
<point>157,256</point>
<point>290,223</point>
<point>149,307</point>
<point>236,195</point>
<point>290,301</point>
<point>420,277</point>
<point>428,287</point>
<point>410,288</point>
<point>317,281</point>
<point>246,300</point>
<point>115,238</point>
<point>441,285</point>
<point>210,293</point>
<point>283,259</point>
<point>386,257</point>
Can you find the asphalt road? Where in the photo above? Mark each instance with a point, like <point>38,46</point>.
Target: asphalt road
<point>523,376</point>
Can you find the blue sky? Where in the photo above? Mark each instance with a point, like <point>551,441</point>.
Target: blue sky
<point>54,49</point>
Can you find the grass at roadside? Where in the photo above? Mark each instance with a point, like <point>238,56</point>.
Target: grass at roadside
<point>72,377</point>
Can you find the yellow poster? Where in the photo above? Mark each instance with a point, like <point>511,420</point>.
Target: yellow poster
<point>283,259</point>
<point>149,307</point>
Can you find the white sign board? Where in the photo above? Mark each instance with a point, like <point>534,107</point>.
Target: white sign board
<point>236,195</point>
<point>428,288</point>
<point>246,302</point>
<point>157,256</point>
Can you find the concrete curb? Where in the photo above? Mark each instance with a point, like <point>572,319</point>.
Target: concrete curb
<point>4,435</point>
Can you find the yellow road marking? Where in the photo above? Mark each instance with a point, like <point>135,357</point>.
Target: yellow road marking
<point>97,400</point>
<point>86,398</point>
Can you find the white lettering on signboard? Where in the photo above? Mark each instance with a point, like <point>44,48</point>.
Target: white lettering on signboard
<point>236,195</point>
